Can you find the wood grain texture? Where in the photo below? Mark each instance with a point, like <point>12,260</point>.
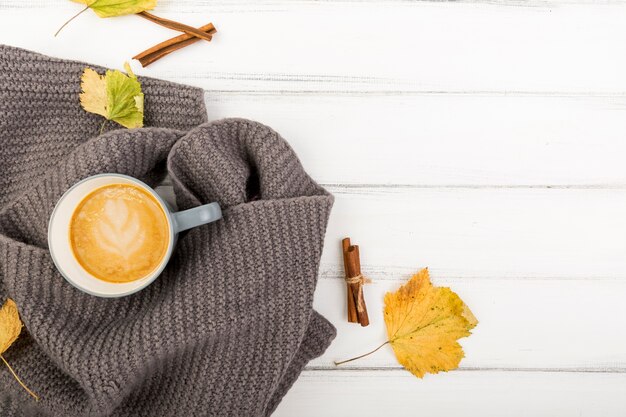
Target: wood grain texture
<point>326,47</point>
<point>561,234</point>
<point>449,140</point>
<point>538,325</point>
<point>469,393</point>
<point>543,270</point>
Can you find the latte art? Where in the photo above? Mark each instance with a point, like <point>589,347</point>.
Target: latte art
<point>120,230</point>
<point>119,233</point>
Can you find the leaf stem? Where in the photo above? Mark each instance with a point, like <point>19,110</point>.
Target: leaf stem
<point>72,18</point>
<point>18,379</point>
<point>361,356</point>
<point>102,127</point>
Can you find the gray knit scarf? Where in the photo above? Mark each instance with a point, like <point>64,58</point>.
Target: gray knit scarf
<point>227,328</point>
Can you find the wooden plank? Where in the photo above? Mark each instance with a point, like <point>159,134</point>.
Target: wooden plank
<point>541,325</point>
<point>338,47</point>
<point>501,233</point>
<point>485,394</point>
<point>446,140</point>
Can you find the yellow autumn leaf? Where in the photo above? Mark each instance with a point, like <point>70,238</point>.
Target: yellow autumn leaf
<point>96,100</point>
<point>115,95</point>
<point>10,325</point>
<point>424,323</point>
<point>10,329</point>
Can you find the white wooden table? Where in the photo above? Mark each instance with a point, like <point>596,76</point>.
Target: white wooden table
<point>485,140</point>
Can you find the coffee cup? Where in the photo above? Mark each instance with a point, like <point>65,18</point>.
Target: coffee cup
<point>111,235</point>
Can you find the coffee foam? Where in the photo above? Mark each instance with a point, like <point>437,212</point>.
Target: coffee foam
<point>119,233</point>
<point>119,230</point>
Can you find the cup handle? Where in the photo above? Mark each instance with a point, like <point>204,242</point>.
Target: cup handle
<point>196,216</point>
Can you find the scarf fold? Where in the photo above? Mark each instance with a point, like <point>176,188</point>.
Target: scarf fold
<point>228,326</point>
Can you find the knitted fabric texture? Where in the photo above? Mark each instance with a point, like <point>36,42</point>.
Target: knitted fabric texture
<point>228,326</point>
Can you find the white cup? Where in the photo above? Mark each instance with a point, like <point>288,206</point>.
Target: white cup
<point>61,247</point>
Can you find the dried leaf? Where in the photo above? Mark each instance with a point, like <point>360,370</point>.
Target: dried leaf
<point>94,95</point>
<point>10,329</point>
<point>112,8</point>
<point>424,323</point>
<point>115,95</point>
<point>10,325</point>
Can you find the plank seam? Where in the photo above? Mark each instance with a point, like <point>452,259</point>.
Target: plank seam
<point>401,93</point>
<point>374,186</point>
<point>470,369</point>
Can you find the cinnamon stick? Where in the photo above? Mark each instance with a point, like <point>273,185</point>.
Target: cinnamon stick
<point>190,30</point>
<point>355,281</point>
<point>352,316</point>
<point>164,48</point>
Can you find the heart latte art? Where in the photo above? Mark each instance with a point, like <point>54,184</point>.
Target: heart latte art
<point>119,233</point>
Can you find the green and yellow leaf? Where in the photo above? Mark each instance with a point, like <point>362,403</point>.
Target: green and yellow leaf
<point>112,8</point>
<point>115,96</point>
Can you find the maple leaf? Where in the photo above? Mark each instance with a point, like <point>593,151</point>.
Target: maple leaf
<point>115,95</point>
<point>10,329</point>
<point>424,324</point>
